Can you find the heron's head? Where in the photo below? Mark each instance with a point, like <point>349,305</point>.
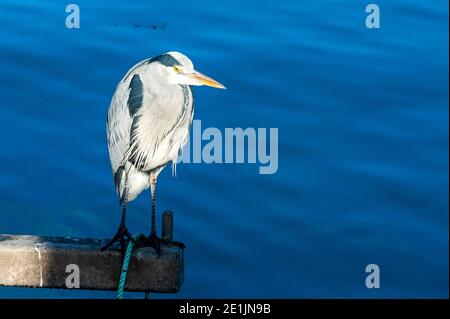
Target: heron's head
<point>178,69</point>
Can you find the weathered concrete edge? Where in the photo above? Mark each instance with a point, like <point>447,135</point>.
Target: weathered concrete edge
<point>40,262</point>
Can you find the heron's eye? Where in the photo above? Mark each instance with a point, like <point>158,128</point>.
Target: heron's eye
<point>176,68</point>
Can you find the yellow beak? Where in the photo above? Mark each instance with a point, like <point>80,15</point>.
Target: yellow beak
<point>206,80</point>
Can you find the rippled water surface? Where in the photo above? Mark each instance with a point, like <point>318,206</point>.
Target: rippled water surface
<point>363,140</point>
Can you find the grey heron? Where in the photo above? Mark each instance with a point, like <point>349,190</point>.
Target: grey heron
<point>148,124</point>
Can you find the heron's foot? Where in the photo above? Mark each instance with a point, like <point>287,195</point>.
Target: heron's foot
<point>151,241</point>
<point>122,236</point>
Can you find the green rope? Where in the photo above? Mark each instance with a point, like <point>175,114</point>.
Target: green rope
<point>125,265</point>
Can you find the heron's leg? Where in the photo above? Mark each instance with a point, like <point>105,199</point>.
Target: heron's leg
<point>122,233</point>
<point>153,240</point>
<point>153,180</point>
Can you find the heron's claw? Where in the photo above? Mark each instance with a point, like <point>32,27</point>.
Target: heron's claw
<point>177,243</point>
<point>122,236</point>
<point>151,241</point>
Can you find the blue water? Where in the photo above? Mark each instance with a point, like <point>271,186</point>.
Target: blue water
<point>363,140</point>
